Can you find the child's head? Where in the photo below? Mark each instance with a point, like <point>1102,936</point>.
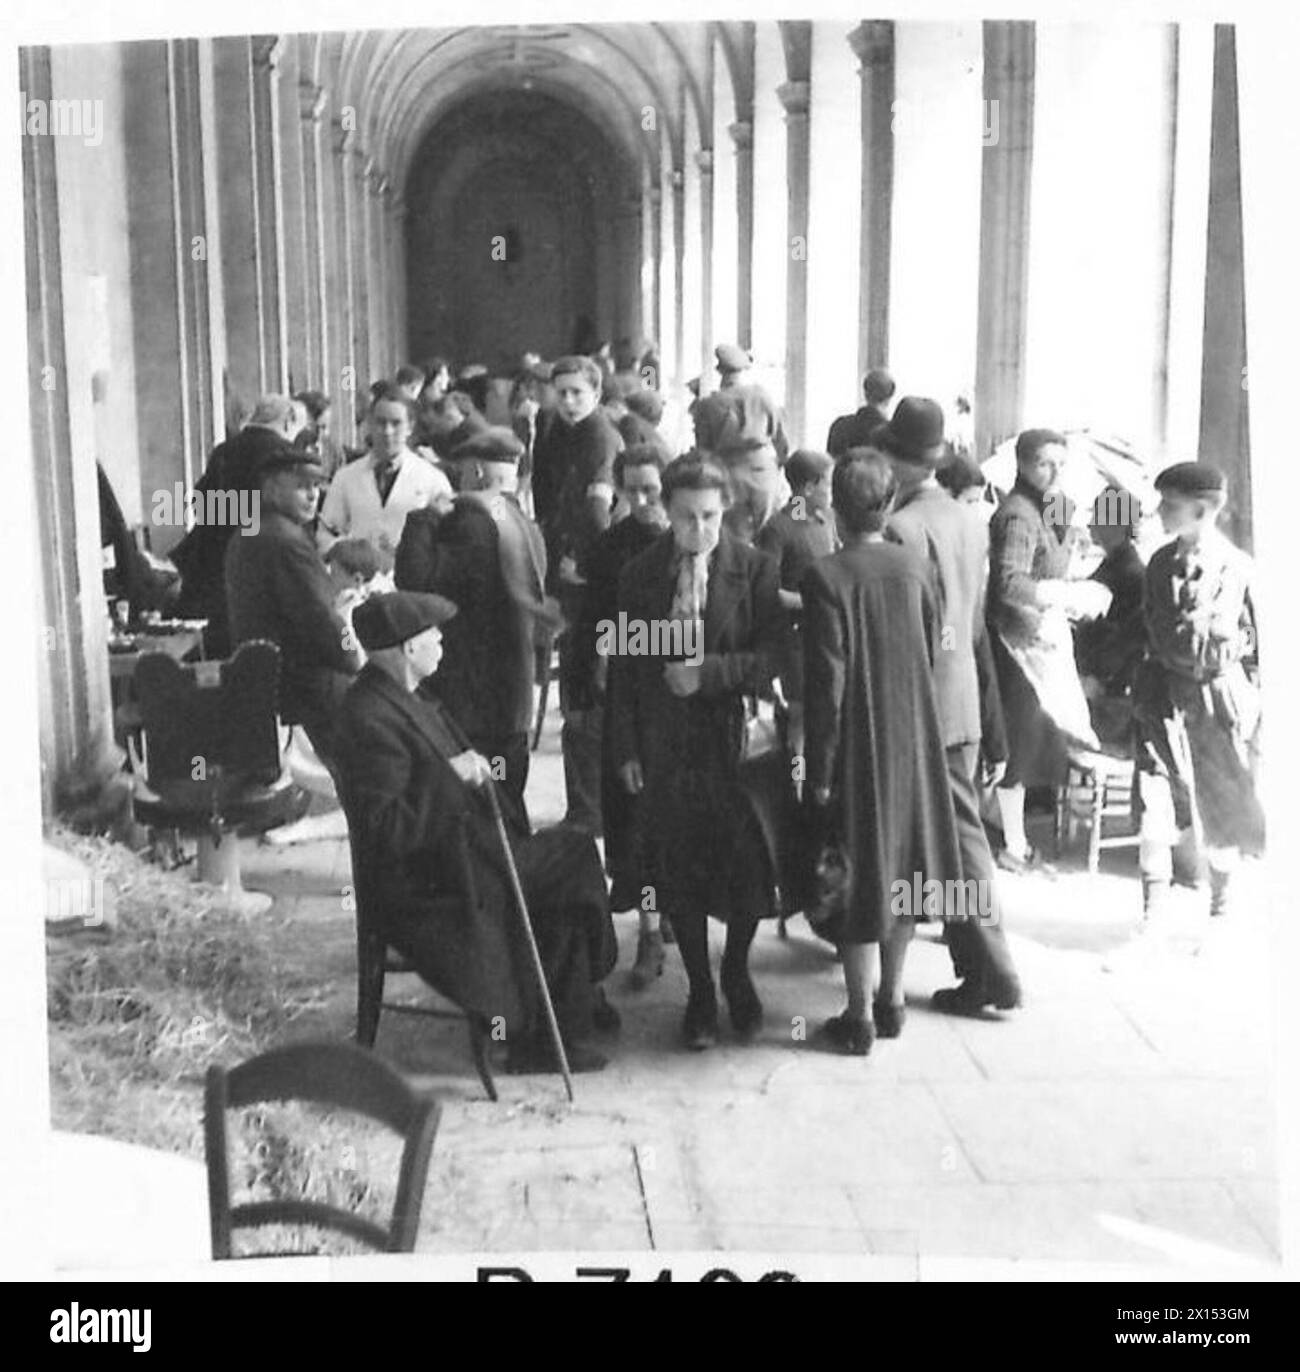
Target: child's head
<point>809,474</point>
<point>1192,495</point>
<point>1116,515</point>
<point>353,563</point>
<point>863,489</point>
<point>962,478</point>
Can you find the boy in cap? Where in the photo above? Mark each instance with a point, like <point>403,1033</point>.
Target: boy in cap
<point>1198,706</point>
<point>413,788</point>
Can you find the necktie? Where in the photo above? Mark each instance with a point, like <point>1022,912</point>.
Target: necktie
<point>385,476</point>
<point>691,594</point>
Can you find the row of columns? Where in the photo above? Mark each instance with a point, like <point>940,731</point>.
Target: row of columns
<point>925,246</point>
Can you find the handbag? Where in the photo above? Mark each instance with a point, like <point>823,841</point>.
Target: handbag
<point>832,879</point>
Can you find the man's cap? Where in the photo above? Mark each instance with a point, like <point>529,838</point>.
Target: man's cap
<point>732,358</point>
<point>384,621</point>
<point>915,433</point>
<point>492,444</point>
<point>282,455</point>
<point>1196,479</point>
<point>272,411</point>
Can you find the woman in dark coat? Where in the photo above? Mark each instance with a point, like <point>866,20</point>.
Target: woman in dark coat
<point>875,750</point>
<point>677,731</point>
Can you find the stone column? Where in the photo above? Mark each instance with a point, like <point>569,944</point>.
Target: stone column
<point>339,282</point>
<point>358,259</point>
<point>311,108</point>
<point>794,96</point>
<point>704,164</point>
<point>398,213</point>
<point>1004,234</point>
<point>652,243</point>
<point>241,279</point>
<point>677,208</point>
<point>293,221</point>
<point>873,45</point>
<point>1225,426</point>
<point>270,212</point>
<point>742,138</point>
<point>77,752</point>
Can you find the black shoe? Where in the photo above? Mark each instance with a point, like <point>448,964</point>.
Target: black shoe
<point>743,1004</point>
<point>604,1017</point>
<point>533,1058</point>
<point>889,1018</point>
<point>1007,861</point>
<point>848,1035</point>
<point>971,997</point>
<point>700,1023</point>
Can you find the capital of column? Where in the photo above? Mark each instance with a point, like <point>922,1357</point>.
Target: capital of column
<point>742,135</point>
<point>311,101</point>
<point>677,180</point>
<point>794,97</point>
<point>704,161</point>
<point>267,50</point>
<point>873,42</point>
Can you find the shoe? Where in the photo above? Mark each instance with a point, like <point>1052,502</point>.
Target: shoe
<point>700,1024</point>
<point>848,1035</point>
<point>971,998</point>
<point>888,1018</point>
<point>743,1004</point>
<point>603,1015</point>
<point>1019,866</point>
<point>533,1058</point>
<point>649,962</point>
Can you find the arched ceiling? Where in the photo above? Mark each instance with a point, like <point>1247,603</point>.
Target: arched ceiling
<point>402,82</point>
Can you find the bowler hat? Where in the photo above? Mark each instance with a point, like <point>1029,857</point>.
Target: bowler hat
<point>915,432</point>
<point>384,621</point>
<point>732,358</point>
<point>1195,479</point>
<point>492,444</point>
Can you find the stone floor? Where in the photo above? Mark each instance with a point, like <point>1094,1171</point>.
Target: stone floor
<point>1103,1124</point>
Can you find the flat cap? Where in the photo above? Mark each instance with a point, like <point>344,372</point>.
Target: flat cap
<point>282,455</point>
<point>384,621</point>
<point>732,358</point>
<point>492,444</point>
<point>1192,479</point>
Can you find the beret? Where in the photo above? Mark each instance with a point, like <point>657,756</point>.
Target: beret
<point>384,621</point>
<point>492,444</point>
<point>732,358</point>
<point>1192,479</point>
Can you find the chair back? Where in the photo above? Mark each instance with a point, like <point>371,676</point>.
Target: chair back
<point>333,1074</point>
<point>221,715</point>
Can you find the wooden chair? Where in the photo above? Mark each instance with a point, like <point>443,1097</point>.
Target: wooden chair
<point>377,957</point>
<point>211,763</point>
<point>1098,788</point>
<point>333,1074</point>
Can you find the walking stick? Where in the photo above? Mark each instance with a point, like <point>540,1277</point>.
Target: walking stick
<point>522,906</point>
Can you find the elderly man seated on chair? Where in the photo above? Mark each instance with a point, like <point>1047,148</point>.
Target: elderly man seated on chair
<point>419,796</point>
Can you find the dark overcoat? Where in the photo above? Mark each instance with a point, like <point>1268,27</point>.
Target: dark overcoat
<point>706,854</point>
<point>424,834</point>
<point>874,736</point>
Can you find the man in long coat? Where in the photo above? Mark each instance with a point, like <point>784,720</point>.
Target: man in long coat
<point>278,588</point>
<point>954,545</point>
<point>488,558</point>
<point>414,793</point>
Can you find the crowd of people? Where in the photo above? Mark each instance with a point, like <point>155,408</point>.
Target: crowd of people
<point>876,670</point>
